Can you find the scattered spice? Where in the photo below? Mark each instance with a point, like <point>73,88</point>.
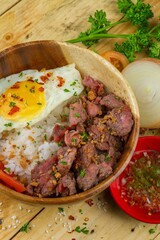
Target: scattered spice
<point>133,229</point>
<point>71,217</point>
<point>89,202</point>
<point>86,219</point>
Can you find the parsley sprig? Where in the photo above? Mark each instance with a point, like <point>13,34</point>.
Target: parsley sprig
<point>145,38</point>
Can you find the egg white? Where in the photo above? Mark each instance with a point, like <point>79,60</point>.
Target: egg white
<point>54,95</point>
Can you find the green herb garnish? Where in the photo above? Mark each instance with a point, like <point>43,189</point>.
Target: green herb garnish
<point>83,230</point>
<point>45,137</point>
<point>84,136</point>
<point>77,115</point>
<point>74,140</point>
<point>63,162</point>
<point>66,90</point>
<point>8,124</point>
<point>60,209</point>
<point>12,104</point>
<point>59,144</point>
<point>82,173</point>
<point>145,38</point>
<point>32,90</point>
<point>25,227</point>
<point>80,211</point>
<point>14,96</point>
<point>21,74</point>
<point>7,170</point>
<point>151,230</point>
<point>107,158</point>
<point>73,83</point>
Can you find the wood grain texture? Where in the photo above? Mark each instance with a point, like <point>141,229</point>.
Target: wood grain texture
<point>104,220</point>
<point>62,20</point>
<point>13,215</point>
<point>54,20</point>
<point>7,5</point>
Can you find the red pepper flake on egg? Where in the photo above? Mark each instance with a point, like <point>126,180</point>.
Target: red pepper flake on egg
<point>13,110</point>
<point>49,74</point>
<point>44,78</point>
<point>61,81</point>
<point>41,89</point>
<point>15,86</point>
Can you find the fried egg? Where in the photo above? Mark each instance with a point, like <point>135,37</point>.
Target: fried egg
<point>29,96</point>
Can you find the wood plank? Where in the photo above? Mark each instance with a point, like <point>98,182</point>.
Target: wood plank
<point>103,219</point>
<point>6,5</point>
<point>13,214</point>
<point>59,20</point>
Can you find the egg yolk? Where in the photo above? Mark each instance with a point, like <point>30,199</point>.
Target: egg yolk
<point>23,101</point>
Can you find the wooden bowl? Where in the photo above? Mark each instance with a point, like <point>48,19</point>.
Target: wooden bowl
<point>51,54</point>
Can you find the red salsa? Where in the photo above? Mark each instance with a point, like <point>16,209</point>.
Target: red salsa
<point>140,185</point>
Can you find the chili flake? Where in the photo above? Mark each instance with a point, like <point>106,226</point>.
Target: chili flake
<point>41,89</point>
<point>15,86</point>
<point>61,81</point>
<point>13,110</point>
<point>44,78</point>
<point>71,217</point>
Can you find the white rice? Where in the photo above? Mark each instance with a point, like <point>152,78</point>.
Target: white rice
<point>23,148</point>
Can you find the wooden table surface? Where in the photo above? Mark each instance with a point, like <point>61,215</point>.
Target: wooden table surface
<point>28,20</point>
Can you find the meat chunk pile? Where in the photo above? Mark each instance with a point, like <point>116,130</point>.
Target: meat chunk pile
<point>99,124</point>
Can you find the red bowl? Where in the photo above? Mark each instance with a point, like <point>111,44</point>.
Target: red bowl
<point>144,144</point>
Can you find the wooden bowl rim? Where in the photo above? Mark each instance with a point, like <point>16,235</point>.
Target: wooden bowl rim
<point>117,171</point>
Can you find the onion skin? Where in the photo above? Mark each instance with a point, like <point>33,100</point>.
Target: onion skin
<point>144,77</point>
